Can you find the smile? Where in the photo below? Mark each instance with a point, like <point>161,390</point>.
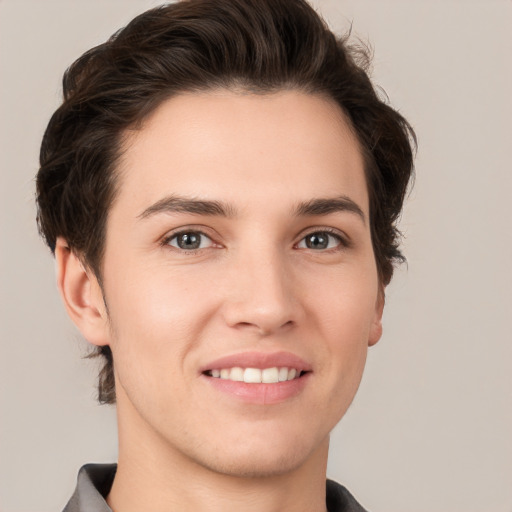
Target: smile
<point>271,375</point>
<point>258,377</point>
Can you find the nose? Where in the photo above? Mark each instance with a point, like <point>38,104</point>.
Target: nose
<point>260,296</point>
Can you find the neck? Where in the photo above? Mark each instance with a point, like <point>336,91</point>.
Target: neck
<point>154,476</point>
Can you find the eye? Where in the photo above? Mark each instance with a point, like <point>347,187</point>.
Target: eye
<point>189,240</point>
<point>321,240</point>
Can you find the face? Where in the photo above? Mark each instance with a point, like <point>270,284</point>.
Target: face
<point>240,279</point>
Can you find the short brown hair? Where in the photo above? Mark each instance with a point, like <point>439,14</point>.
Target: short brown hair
<point>260,46</point>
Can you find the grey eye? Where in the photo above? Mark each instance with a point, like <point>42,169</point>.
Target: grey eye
<point>190,240</point>
<point>319,240</point>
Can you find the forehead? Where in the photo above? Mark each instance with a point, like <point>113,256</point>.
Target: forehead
<point>240,147</point>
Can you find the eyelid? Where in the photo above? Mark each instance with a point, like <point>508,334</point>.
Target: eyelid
<point>343,238</point>
<point>201,230</point>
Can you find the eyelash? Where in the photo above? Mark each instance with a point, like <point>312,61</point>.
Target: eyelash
<point>343,241</point>
<point>166,241</point>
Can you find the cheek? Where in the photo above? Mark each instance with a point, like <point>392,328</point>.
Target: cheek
<point>155,298</point>
<point>345,329</point>
<point>344,301</point>
<point>344,314</point>
<point>157,318</point>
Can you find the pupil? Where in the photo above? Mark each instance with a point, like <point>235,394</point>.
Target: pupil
<point>317,241</point>
<point>189,241</point>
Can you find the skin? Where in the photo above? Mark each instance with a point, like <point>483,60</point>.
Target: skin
<point>253,285</point>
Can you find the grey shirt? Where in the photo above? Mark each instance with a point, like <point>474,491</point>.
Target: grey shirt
<point>95,480</point>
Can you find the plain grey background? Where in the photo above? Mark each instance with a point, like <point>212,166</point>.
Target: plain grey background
<point>431,428</point>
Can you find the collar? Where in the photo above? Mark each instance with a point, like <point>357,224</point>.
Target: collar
<point>95,480</point>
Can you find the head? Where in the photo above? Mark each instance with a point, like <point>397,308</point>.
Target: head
<point>171,59</point>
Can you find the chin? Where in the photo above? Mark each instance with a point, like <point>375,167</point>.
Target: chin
<point>256,466</point>
<point>263,459</point>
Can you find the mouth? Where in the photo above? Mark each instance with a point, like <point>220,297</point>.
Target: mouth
<point>272,375</point>
<point>258,377</point>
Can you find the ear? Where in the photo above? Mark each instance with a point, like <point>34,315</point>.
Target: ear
<point>82,295</point>
<point>376,327</point>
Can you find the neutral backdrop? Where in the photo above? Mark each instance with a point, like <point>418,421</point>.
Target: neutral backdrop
<point>431,428</point>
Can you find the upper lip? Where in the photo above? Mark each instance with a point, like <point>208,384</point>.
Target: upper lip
<point>259,360</point>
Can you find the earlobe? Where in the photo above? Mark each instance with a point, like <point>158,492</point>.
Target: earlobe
<point>376,327</point>
<point>81,294</point>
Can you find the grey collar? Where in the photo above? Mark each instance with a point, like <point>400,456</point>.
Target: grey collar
<point>95,480</point>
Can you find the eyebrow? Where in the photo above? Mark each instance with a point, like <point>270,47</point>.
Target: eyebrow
<point>329,205</point>
<point>177,204</point>
<point>319,206</point>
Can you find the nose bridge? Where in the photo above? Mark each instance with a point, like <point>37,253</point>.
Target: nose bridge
<point>262,292</point>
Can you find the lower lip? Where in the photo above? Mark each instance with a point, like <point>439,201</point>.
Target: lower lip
<point>263,394</point>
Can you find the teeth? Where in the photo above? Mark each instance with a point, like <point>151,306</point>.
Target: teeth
<point>237,374</point>
<point>252,375</point>
<point>270,375</point>
<point>255,375</point>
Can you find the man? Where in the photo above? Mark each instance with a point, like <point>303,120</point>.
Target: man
<point>220,188</point>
